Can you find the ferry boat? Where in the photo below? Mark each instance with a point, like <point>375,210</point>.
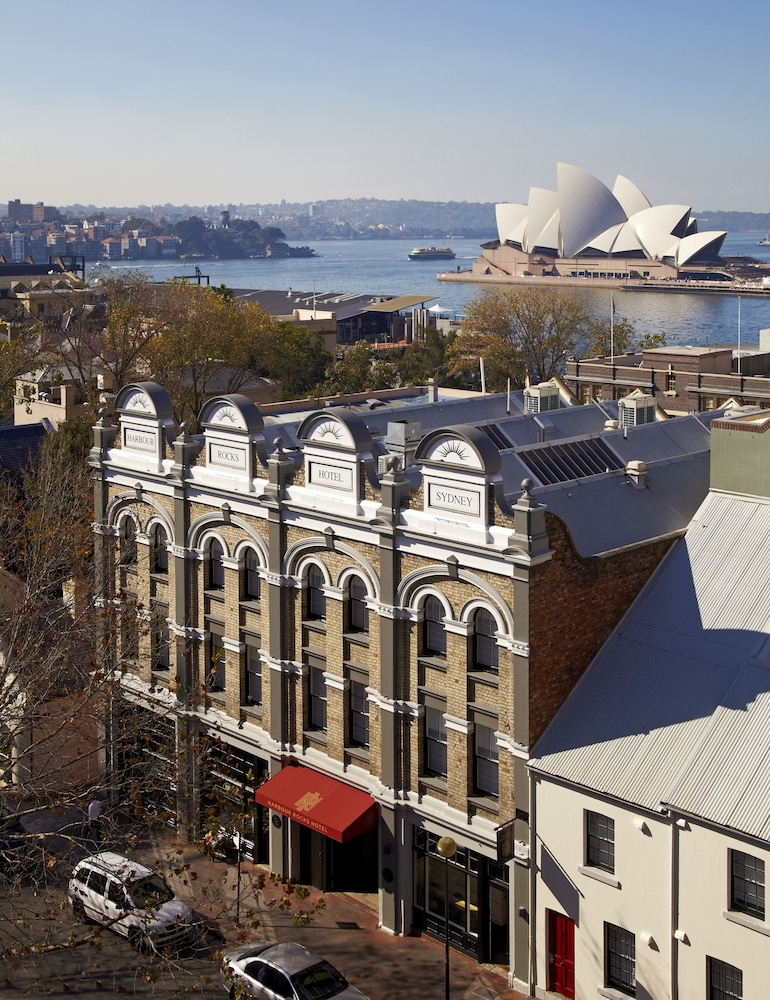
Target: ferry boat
<point>432,253</point>
<point>765,242</point>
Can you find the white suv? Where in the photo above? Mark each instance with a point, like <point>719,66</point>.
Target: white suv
<point>130,899</point>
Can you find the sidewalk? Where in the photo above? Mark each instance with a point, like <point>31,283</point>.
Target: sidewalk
<point>343,931</point>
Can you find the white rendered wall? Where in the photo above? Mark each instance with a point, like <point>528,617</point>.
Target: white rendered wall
<point>704,891</point>
<point>641,903</point>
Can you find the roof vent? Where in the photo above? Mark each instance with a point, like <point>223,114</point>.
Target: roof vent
<point>637,473</point>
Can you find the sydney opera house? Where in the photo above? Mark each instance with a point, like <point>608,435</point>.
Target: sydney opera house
<point>585,230</point>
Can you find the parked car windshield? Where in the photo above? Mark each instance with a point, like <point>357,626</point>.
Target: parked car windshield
<point>319,982</point>
<point>150,891</point>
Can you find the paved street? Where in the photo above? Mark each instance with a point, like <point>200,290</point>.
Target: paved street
<point>344,931</point>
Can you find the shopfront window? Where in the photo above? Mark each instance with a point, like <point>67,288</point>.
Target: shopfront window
<point>468,894</point>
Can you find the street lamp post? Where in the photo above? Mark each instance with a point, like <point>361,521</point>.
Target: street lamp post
<point>446,847</point>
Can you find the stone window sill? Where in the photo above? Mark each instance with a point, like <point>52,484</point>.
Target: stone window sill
<point>433,783</point>
<point>485,803</point>
<point>358,755</point>
<point>488,677</point>
<point>600,876</point>
<point>252,712</point>
<point>357,638</point>
<point>434,662</point>
<point>746,920</point>
<point>612,994</point>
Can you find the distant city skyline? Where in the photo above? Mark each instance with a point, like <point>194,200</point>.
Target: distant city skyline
<point>251,102</point>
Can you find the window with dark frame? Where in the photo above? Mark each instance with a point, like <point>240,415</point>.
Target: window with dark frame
<point>252,584</point>
<point>161,645</point>
<point>433,634</point>
<point>317,692</point>
<point>600,841</point>
<point>316,598</point>
<point>159,550</point>
<point>435,742</point>
<point>128,550</point>
<point>216,568</point>
<point>725,982</point>
<point>484,642</point>
<point>619,959</point>
<point>253,676</point>
<point>216,674</point>
<point>358,613</point>
<point>485,761</point>
<point>359,714</point>
<point>747,884</point>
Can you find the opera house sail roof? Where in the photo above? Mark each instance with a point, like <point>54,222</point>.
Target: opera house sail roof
<point>584,218</point>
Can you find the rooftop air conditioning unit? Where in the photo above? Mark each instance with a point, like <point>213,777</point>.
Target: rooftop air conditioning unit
<point>542,397</point>
<point>635,410</point>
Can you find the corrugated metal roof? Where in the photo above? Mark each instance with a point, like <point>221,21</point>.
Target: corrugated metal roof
<point>676,707</point>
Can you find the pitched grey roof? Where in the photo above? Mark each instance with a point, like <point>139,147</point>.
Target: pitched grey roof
<point>588,489</point>
<point>19,445</point>
<point>675,709</point>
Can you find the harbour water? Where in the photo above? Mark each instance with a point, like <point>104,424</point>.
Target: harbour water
<point>382,267</point>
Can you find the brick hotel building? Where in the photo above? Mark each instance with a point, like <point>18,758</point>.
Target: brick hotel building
<point>357,619</point>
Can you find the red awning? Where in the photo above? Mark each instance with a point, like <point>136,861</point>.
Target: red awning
<point>324,804</point>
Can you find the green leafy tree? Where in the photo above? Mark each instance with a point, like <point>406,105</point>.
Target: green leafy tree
<point>204,344</point>
<point>604,339</point>
<point>424,358</point>
<point>652,340</point>
<point>295,357</point>
<point>358,370</point>
<point>520,333</point>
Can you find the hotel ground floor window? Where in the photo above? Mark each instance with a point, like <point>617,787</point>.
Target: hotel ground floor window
<point>477,903</point>
<point>145,758</point>
<point>229,777</point>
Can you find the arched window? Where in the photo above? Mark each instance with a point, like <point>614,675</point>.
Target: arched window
<point>216,569</point>
<point>128,556</point>
<point>316,598</point>
<point>433,634</point>
<point>251,582</point>
<point>159,552</point>
<point>358,613</point>
<point>484,644</point>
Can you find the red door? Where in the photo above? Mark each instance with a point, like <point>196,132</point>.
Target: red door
<point>561,954</point>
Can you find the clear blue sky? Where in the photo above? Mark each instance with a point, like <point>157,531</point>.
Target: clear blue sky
<point>243,101</point>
